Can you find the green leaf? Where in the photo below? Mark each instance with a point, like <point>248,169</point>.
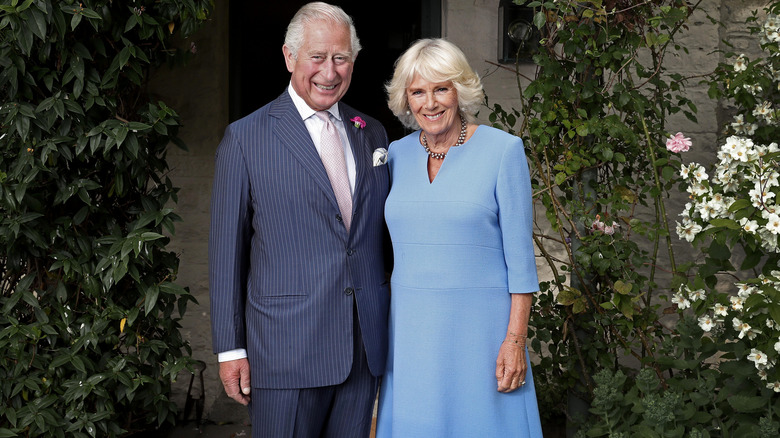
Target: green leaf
<point>623,288</point>
<point>25,39</point>
<point>60,360</point>
<point>123,57</point>
<point>132,20</point>
<point>743,403</point>
<point>89,13</point>
<point>78,363</point>
<point>725,223</point>
<point>22,126</point>
<point>719,251</point>
<point>774,312</point>
<point>651,39</point>
<point>668,173</point>
<point>40,23</point>
<point>119,135</point>
<point>540,19</point>
<point>568,296</point>
<point>739,204</point>
<point>150,298</point>
<point>172,288</point>
<point>752,259</point>
<point>78,87</point>
<point>27,217</point>
<point>75,20</point>
<point>138,126</point>
<point>149,236</point>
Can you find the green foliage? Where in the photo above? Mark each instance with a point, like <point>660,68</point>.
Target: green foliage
<point>732,295</point>
<point>701,397</point>
<point>89,307</point>
<point>594,118</point>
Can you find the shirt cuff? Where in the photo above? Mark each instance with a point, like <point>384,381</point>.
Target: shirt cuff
<point>239,353</point>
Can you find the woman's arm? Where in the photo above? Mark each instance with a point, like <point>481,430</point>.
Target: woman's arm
<point>511,363</point>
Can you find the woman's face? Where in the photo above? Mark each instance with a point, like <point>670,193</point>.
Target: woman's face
<point>434,106</point>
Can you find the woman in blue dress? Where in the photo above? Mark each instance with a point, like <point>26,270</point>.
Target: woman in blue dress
<point>460,218</point>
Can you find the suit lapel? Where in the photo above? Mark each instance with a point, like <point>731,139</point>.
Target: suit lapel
<point>292,133</point>
<point>360,150</point>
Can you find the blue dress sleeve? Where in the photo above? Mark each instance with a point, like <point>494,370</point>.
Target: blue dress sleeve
<point>515,218</point>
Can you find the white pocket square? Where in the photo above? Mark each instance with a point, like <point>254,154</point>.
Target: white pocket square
<point>380,156</point>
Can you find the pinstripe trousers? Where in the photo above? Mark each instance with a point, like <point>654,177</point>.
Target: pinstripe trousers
<point>339,411</point>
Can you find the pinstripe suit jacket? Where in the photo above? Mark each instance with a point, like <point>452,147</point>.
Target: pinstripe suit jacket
<point>284,273</point>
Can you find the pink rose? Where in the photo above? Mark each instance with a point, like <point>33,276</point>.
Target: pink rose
<point>359,123</point>
<point>678,143</point>
<point>598,225</point>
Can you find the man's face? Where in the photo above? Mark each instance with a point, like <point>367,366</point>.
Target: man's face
<point>323,69</point>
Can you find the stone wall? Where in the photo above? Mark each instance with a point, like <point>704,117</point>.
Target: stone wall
<point>200,94</point>
<point>473,26</point>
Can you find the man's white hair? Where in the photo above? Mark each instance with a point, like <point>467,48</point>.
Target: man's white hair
<point>318,11</point>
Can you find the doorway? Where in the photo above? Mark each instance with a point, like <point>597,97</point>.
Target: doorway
<point>258,73</point>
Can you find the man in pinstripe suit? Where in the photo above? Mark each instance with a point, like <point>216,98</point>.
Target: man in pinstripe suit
<point>299,301</point>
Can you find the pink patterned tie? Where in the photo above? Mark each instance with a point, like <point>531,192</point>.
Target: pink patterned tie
<point>332,155</point>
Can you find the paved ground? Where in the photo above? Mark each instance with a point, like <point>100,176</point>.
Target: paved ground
<point>221,418</point>
<point>212,431</point>
<point>224,419</point>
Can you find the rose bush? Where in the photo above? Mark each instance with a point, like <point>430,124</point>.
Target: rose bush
<point>592,117</point>
<point>646,343</point>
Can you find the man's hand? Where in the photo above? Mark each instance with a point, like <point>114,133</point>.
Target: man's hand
<point>235,378</point>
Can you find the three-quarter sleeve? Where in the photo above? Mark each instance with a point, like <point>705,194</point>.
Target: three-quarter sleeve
<point>515,216</point>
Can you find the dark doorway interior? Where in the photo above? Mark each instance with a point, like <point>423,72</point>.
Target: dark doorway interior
<point>258,74</point>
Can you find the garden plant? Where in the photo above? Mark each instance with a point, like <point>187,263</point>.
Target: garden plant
<point>632,339</point>
<point>89,305</point>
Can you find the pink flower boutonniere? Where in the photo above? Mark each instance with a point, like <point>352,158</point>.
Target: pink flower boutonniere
<point>359,123</point>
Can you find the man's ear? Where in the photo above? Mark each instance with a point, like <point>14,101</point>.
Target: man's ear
<point>288,58</point>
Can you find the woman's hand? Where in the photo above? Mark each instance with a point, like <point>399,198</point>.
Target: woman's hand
<point>511,365</point>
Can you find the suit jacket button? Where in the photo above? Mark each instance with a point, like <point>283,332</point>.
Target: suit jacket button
<point>350,252</point>
<point>349,291</point>
<point>338,218</point>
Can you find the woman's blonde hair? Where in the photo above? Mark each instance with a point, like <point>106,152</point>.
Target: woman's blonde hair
<point>434,60</point>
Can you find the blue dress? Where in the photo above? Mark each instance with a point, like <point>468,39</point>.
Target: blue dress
<point>461,244</point>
